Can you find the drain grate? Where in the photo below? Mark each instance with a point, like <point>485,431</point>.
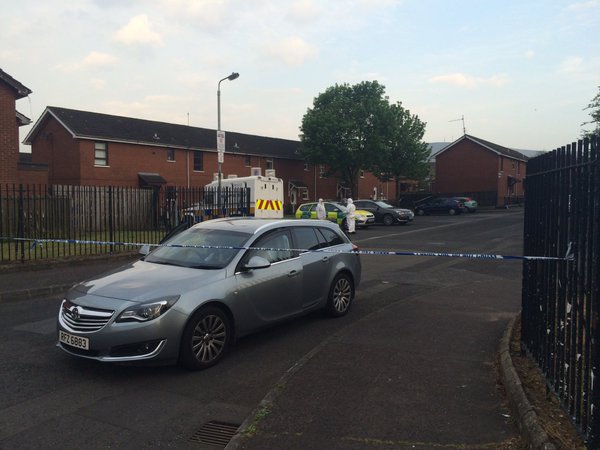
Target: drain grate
<point>215,433</point>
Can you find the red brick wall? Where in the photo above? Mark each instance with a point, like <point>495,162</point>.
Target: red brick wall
<point>466,167</point>
<point>9,135</point>
<point>32,176</point>
<point>71,161</point>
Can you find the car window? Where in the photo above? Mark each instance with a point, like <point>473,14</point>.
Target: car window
<point>331,237</point>
<point>383,204</point>
<point>275,246</point>
<point>330,207</point>
<point>361,204</point>
<point>305,207</point>
<point>212,256</point>
<point>306,238</point>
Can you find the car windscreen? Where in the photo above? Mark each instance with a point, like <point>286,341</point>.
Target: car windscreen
<point>199,248</point>
<point>340,206</point>
<point>383,204</point>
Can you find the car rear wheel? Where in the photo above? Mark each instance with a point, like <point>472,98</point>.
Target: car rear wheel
<point>420,212</point>
<point>388,220</point>
<point>341,294</point>
<point>205,338</point>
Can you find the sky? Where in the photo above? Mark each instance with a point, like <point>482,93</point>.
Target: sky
<point>520,73</point>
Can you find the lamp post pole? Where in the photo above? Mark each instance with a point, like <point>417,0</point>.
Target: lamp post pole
<point>221,151</point>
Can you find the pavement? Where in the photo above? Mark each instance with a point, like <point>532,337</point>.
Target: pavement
<point>307,389</point>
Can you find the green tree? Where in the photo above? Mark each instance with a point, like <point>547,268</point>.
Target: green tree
<point>594,106</point>
<point>347,129</point>
<point>407,154</point>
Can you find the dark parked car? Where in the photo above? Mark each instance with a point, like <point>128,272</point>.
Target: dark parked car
<point>440,206</point>
<point>470,204</point>
<point>188,300</point>
<point>384,212</point>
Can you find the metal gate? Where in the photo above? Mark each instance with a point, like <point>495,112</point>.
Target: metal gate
<point>560,301</point>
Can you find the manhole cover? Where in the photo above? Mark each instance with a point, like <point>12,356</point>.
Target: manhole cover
<point>215,433</point>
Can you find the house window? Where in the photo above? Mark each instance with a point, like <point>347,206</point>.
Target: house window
<point>270,164</point>
<point>306,167</point>
<point>247,161</point>
<point>321,171</point>
<point>170,154</point>
<point>198,161</point>
<point>101,154</point>
<point>362,173</point>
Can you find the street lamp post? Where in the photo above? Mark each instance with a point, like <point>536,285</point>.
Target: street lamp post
<point>221,153</point>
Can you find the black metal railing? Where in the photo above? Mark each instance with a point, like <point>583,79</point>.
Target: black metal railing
<point>560,301</point>
<point>32,215</point>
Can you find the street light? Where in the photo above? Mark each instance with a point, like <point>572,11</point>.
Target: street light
<point>221,154</point>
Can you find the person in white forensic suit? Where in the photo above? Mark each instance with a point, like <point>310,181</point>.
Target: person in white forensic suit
<point>321,213</point>
<point>351,223</point>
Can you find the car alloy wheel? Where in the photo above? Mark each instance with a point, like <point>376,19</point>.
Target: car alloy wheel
<point>420,212</point>
<point>452,211</point>
<point>205,338</point>
<point>341,294</point>
<point>388,220</point>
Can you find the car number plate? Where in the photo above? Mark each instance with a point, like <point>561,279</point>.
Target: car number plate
<point>74,341</point>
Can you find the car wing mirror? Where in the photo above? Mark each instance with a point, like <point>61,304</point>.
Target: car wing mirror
<point>144,249</point>
<point>256,262</point>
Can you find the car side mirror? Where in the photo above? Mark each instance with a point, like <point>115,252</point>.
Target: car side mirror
<point>256,262</point>
<point>144,249</point>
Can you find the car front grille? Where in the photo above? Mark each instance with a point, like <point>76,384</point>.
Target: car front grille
<point>83,319</point>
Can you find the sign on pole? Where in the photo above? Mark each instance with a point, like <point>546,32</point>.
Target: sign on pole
<point>220,146</point>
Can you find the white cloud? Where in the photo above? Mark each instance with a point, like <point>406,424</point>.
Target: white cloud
<point>97,83</point>
<point>97,59</point>
<point>139,30</point>
<point>293,51</point>
<point>572,64</point>
<point>529,54</point>
<point>462,80</point>
<point>582,6</point>
<point>303,11</point>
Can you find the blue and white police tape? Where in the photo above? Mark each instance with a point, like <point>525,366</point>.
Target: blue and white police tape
<point>569,256</point>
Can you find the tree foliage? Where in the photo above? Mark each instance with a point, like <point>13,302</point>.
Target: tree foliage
<point>594,108</point>
<point>354,128</point>
<point>407,154</point>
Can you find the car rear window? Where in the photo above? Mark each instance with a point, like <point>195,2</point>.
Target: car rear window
<point>331,237</point>
<point>306,238</point>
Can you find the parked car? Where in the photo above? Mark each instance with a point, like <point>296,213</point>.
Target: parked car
<point>440,205</point>
<point>336,212</point>
<point>469,203</point>
<point>188,300</point>
<point>385,213</point>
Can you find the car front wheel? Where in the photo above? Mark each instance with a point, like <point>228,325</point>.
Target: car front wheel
<point>205,338</point>
<point>341,294</point>
<point>452,211</point>
<point>388,220</point>
<point>420,212</point>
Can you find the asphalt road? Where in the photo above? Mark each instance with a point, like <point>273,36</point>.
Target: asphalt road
<point>51,400</point>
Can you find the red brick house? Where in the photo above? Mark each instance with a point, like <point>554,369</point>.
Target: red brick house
<point>87,148</point>
<point>11,90</point>
<point>480,168</point>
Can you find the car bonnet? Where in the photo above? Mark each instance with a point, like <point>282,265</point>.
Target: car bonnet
<point>142,281</point>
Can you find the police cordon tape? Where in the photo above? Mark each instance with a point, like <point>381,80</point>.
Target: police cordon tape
<point>569,256</point>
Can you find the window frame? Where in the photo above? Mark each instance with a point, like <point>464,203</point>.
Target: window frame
<point>170,155</point>
<point>200,155</point>
<point>98,160</point>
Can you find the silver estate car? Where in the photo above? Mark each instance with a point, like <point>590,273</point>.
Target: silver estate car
<point>188,300</point>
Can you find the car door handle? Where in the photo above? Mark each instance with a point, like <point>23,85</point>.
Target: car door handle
<point>293,273</point>
<point>325,259</point>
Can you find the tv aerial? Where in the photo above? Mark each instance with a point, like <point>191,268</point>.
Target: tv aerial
<point>463,122</point>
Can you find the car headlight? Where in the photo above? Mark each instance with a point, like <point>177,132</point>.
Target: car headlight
<point>148,311</point>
